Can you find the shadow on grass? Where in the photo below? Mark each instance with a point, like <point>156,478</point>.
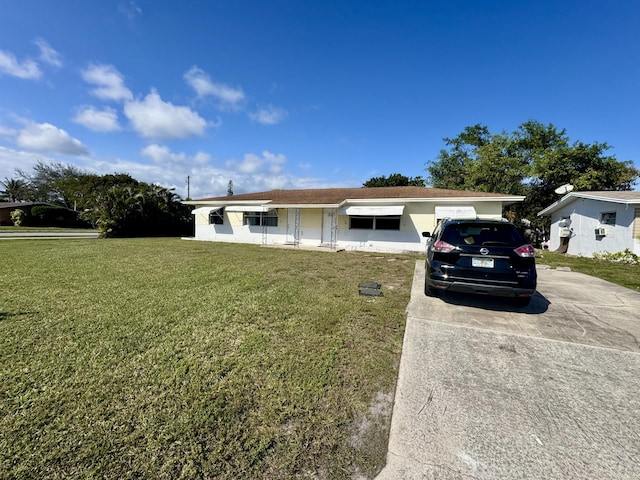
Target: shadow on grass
<point>8,315</point>
<point>539,303</point>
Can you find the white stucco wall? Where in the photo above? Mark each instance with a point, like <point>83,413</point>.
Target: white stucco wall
<point>417,217</point>
<point>585,215</point>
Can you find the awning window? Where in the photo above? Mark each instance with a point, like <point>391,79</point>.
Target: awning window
<point>248,208</point>
<point>382,211</point>
<point>205,210</point>
<point>455,211</point>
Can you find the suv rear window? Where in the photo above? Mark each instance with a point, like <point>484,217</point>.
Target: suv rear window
<point>483,234</point>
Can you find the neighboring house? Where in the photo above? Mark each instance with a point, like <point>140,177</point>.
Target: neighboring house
<point>7,207</point>
<point>584,223</point>
<point>382,219</point>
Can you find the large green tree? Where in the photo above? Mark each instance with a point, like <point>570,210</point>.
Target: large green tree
<point>117,204</point>
<point>15,190</point>
<point>533,160</point>
<point>43,180</point>
<point>394,180</point>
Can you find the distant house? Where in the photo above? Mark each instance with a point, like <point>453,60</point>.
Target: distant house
<point>7,207</point>
<point>584,223</point>
<point>383,219</point>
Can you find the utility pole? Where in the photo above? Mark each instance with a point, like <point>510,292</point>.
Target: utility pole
<point>188,187</point>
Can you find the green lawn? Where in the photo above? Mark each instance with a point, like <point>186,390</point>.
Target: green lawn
<point>621,274</point>
<point>164,358</point>
<point>5,228</point>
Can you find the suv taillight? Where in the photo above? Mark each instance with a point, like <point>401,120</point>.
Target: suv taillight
<point>443,247</point>
<point>526,251</point>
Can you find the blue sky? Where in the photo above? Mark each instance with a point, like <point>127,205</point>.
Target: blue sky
<point>304,94</point>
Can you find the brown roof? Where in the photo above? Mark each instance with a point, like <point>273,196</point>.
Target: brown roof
<point>335,196</point>
<point>20,204</point>
<point>625,195</point>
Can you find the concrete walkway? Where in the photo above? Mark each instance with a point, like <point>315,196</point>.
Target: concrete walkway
<point>491,391</point>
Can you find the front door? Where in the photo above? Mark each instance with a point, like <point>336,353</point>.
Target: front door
<point>329,222</point>
<point>293,226</point>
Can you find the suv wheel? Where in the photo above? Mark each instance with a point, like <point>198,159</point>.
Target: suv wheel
<point>430,291</point>
<point>521,301</point>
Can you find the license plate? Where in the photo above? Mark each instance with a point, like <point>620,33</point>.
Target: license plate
<point>482,262</point>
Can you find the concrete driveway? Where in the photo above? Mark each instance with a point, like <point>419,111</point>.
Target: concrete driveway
<point>491,391</point>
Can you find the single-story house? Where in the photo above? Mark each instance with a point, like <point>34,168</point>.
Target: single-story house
<point>382,219</point>
<point>584,223</point>
<point>7,207</point>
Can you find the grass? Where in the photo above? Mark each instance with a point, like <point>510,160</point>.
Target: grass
<point>625,275</point>
<point>163,359</point>
<point>7,228</point>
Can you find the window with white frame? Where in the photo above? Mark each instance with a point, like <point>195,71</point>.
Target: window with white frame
<point>268,219</point>
<point>608,218</point>
<point>385,222</point>
<point>216,217</point>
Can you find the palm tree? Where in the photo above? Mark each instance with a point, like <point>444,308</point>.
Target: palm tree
<point>15,190</point>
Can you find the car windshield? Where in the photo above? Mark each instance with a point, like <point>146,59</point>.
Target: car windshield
<point>483,235</point>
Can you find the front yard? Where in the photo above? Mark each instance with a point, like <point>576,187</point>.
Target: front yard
<point>162,358</point>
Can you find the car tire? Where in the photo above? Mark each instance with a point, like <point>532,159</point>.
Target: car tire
<point>430,291</point>
<point>521,301</point>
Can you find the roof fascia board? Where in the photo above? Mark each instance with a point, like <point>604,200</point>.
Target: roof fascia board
<point>304,205</point>
<point>354,201</point>
<point>607,199</point>
<point>570,197</point>
<point>206,203</point>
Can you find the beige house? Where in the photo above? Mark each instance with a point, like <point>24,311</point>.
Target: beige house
<point>383,219</point>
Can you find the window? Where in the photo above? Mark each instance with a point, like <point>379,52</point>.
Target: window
<point>387,222</point>
<point>268,219</point>
<point>608,218</point>
<point>216,217</point>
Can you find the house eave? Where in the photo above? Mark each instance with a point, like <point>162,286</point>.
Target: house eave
<point>378,201</point>
<point>573,196</point>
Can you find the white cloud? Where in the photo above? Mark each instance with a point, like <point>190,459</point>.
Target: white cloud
<point>10,160</point>
<point>47,138</point>
<point>130,9</point>
<point>153,118</point>
<point>161,155</point>
<point>109,82</point>
<point>252,163</point>
<point>8,133</point>
<point>105,120</point>
<point>27,69</point>
<point>269,115</point>
<point>48,54</point>
<point>201,82</point>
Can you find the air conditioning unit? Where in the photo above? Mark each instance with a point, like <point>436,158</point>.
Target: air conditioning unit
<point>601,231</point>
<point>565,232</point>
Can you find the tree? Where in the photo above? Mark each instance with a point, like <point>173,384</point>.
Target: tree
<point>533,161</point>
<point>394,180</point>
<point>80,190</point>
<point>42,182</point>
<point>125,210</point>
<point>118,204</point>
<point>15,190</point>
<point>230,189</point>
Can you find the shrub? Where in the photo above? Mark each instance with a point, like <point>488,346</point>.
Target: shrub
<point>626,257</point>
<point>53,216</point>
<point>18,217</point>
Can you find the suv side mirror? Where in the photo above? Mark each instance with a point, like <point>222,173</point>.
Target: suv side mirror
<point>426,234</point>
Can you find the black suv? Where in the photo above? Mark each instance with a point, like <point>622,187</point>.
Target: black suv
<point>488,257</point>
